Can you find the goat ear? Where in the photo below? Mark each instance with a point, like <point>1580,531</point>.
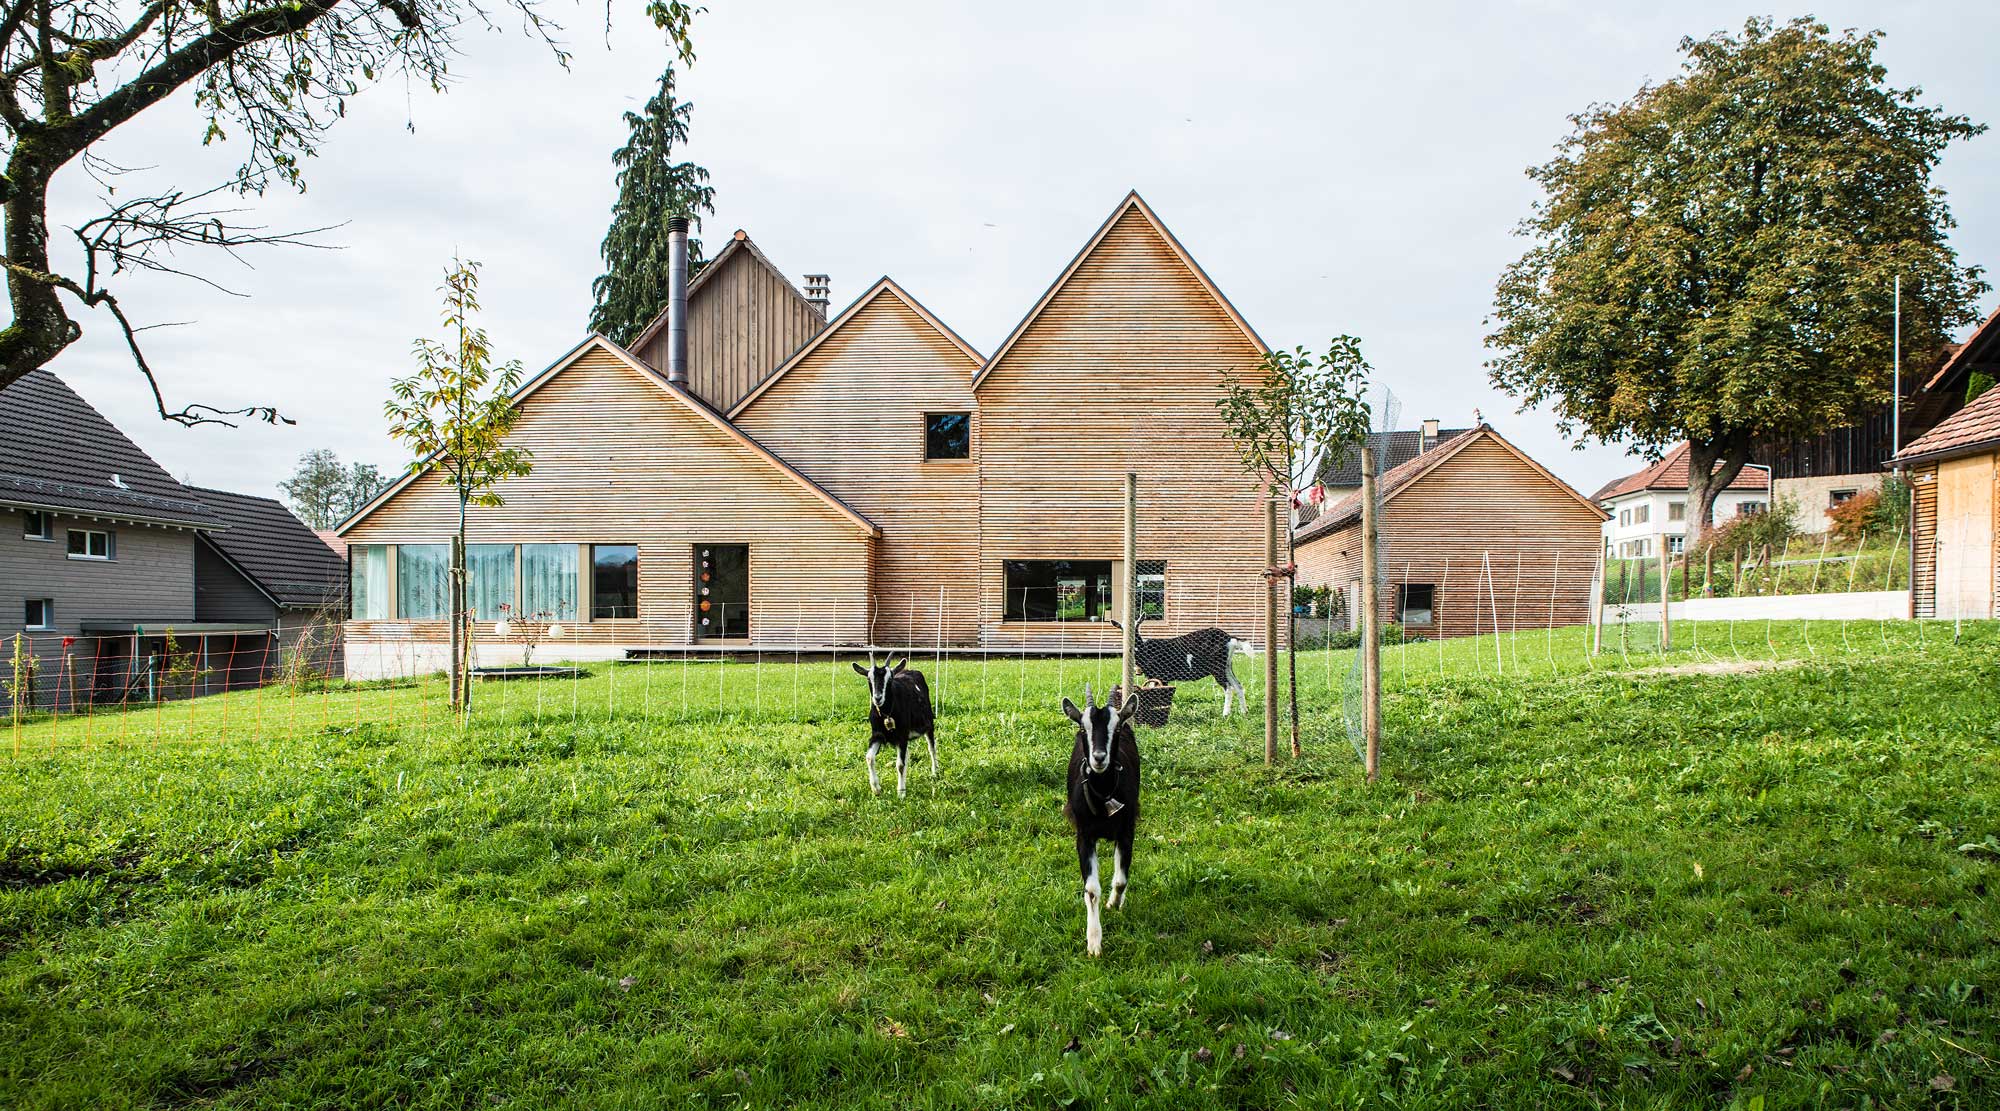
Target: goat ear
<point>1115,624</point>
<point>1074,714</point>
<point>858,670</point>
<point>901,664</point>
<point>1130,709</point>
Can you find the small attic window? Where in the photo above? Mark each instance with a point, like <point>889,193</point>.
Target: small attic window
<point>947,435</point>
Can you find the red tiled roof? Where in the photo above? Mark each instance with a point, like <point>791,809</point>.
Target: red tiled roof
<point>1977,425</point>
<point>1671,473</point>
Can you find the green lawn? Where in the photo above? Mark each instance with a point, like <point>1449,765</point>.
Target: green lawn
<point>1752,872</point>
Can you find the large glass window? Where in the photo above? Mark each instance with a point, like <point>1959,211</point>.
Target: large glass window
<point>1058,589</point>
<point>1415,603</point>
<point>368,584</point>
<point>489,578</point>
<point>614,581</point>
<point>947,435</point>
<point>422,570</point>
<point>1152,589</point>
<point>548,582</point>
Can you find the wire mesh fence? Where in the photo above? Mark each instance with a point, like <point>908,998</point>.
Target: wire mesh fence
<point>1200,666</point>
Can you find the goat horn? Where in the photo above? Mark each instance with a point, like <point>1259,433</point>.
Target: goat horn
<point>1089,703</point>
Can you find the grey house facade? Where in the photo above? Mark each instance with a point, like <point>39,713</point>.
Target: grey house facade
<point>118,583</point>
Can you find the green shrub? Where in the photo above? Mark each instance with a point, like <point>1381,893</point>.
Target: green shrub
<point>1773,527</point>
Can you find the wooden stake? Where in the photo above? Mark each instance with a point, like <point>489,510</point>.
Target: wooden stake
<point>1371,636</point>
<point>1270,629</point>
<point>1132,605</point>
<point>1666,610</point>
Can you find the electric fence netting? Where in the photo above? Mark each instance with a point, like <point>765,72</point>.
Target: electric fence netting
<point>1001,658</point>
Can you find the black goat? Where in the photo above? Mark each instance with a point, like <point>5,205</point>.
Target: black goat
<point>1201,654</point>
<point>899,707</point>
<point>1103,799</point>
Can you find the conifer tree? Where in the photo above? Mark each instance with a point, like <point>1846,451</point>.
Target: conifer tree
<point>652,187</point>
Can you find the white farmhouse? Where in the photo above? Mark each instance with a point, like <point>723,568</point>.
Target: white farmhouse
<point>1649,508</point>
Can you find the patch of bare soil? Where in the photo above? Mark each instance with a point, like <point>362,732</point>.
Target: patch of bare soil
<point>1719,667</point>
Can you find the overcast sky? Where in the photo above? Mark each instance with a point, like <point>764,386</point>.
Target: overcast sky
<point>1334,170</point>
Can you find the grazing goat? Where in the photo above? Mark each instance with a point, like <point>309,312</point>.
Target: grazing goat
<point>1201,654</point>
<point>1103,799</point>
<point>899,707</point>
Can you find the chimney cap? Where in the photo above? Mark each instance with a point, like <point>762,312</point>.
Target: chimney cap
<point>677,223</point>
<point>741,235</point>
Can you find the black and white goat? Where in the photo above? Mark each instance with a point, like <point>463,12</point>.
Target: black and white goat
<point>1189,657</point>
<point>899,707</point>
<point>1103,799</point>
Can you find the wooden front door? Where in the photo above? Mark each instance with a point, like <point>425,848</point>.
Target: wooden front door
<point>722,591</point>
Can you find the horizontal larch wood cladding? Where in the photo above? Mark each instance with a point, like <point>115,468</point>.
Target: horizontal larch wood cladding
<point>1923,542</point>
<point>744,319</point>
<point>1119,370</point>
<point>620,460</point>
<point>1489,532</point>
<point>849,413</point>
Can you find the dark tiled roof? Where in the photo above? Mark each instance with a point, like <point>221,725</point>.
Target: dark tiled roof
<point>1671,473</point>
<point>56,452</point>
<point>1347,510</point>
<point>1344,471</point>
<point>1975,426</point>
<point>276,549</point>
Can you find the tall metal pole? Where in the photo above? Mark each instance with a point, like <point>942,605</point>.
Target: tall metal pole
<point>1371,619</point>
<point>1896,394</point>
<point>1133,605</point>
<point>1270,628</point>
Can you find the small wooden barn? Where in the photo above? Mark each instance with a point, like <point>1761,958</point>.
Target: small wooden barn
<point>1475,537</point>
<point>1954,474</point>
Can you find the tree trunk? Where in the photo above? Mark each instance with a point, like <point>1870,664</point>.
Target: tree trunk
<point>40,329</point>
<point>1712,465</point>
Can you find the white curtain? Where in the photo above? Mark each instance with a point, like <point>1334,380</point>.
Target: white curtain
<point>489,577</point>
<point>421,573</point>
<point>548,582</point>
<point>370,584</point>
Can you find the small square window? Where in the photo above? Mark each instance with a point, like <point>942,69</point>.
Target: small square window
<point>1676,545</point>
<point>89,544</point>
<point>1642,514</point>
<point>1838,496</point>
<point>1677,511</point>
<point>1415,603</point>
<point>1152,590</point>
<point>947,435</point>
<point>35,525</point>
<point>41,614</point>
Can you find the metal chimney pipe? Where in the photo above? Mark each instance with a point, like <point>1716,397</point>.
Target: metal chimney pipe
<point>677,300</point>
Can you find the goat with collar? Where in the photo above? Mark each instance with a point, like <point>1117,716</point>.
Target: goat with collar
<point>899,707</point>
<point>1102,799</point>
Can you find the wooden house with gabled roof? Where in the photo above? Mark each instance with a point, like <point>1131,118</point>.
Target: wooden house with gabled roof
<point>759,475</point>
<point>1475,536</point>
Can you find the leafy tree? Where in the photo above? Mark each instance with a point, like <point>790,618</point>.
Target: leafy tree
<point>651,188</point>
<point>1715,258</point>
<point>274,74</point>
<point>1297,411</point>
<point>1976,383</point>
<point>324,493</point>
<point>454,414</point>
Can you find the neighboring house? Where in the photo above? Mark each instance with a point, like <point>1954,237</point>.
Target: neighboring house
<point>1340,475</point>
<point>1648,508</point>
<point>1954,469</point>
<point>103,555</point>
<point>1474,536</point>
<point>267,568</point>
<point>1819,472</point>
<point>870,479</point>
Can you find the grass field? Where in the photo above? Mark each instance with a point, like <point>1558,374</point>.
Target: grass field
<point>1750,873</point>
